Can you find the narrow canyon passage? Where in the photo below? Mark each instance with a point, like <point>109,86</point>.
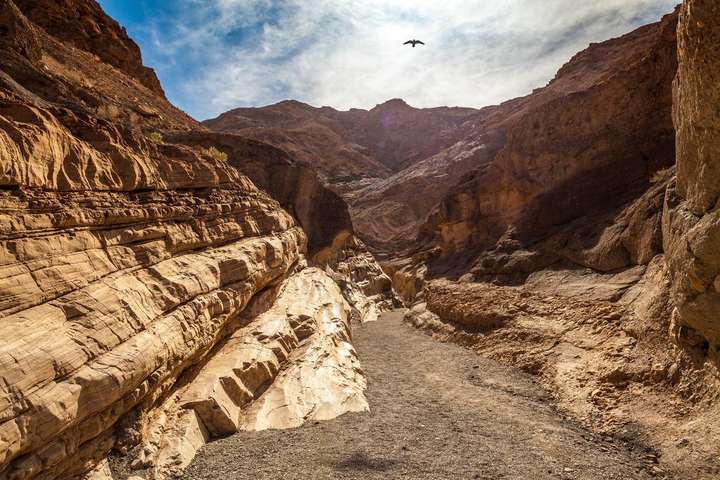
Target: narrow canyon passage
<point>438,411</point>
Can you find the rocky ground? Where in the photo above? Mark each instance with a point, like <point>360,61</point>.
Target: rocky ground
<point>438,411</point>
<point>600,348</point>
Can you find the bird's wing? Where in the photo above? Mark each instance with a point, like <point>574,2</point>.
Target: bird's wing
<point>409,42</point>
<point>418,41</point>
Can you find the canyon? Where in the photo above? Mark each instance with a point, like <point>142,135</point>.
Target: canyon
<point>178,298</point>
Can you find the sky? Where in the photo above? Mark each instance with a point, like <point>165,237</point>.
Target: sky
<point>215,55</point>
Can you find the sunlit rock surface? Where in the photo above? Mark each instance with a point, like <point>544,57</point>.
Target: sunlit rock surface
<point>291,360</point>
<point>128,261</point>
<point>691,232</point>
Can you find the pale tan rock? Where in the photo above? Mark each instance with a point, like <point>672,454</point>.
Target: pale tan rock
<point>100,472</point>
<point>691,231</point>
<point>178,448</point>
<point>323,378</point>
<point>366,287</point>
<point>291,363</point>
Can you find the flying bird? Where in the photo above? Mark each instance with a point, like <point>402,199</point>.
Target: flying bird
<point>414,43</point>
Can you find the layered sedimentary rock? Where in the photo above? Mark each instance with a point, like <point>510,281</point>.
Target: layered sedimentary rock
<point>324,216</point>
<point>128,261</point>
<point>691,234</point>
<point>289,361</point>
<point>320,211</point>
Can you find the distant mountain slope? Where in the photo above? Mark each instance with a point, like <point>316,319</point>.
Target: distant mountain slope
<point>588,144</point>
<point>393,164</point>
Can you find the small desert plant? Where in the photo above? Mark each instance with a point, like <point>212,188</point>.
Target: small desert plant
<point>156,137</point>
<point>216,154</point>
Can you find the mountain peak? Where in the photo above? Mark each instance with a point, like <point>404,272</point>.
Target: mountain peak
<point>393,103</point>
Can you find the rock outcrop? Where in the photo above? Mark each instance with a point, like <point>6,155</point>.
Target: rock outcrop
<point>84,25</point>
<point>332,241</point>
<point>563,166</point>
<point>290,360</point>
<point>150,293</point>
<point>691,234</point>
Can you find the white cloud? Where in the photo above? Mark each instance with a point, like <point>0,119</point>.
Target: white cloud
<point>349,53</point>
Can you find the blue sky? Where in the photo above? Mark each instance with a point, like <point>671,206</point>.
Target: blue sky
<point>214,55</point>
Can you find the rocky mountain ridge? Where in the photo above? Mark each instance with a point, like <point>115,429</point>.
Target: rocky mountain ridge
<point>355,149</point>
<point>429,152</point>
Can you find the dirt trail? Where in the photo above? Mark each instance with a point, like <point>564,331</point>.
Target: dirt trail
<point>438,412</point>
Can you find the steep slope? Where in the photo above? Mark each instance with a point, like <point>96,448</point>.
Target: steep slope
<point>580,153</point>
<point>690,227</point>
<point>134,265</point>
<point>83,24</point>
<point>393,211</point>
<point>354,149</point>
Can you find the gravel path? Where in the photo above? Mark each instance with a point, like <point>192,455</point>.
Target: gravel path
<point>438,412</point>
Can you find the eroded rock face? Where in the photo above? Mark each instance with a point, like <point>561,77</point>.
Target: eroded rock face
<point>332,242</point>
<point>128,261</point>
<point>320,211</point>
<point>691,234</point>
<point>562,163</point>
<point>83,24</point>
<point>366,287</point>
<point>290,361</point>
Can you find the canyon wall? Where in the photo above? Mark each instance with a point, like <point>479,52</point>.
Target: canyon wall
<point>332,239</point>
<point>561,186</point>
<point>583,255</point>
<point>691,234</point>
<point>369,157</point>
<point>152,296</point>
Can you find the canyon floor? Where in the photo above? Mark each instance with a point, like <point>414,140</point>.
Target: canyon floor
<point>438,411</point>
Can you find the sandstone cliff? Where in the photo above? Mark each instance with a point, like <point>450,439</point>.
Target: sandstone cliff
<point>332,240</point>
<point>690,231</point>
<point>150,293</point>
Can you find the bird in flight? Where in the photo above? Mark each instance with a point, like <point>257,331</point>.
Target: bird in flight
<point>414,43</point>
